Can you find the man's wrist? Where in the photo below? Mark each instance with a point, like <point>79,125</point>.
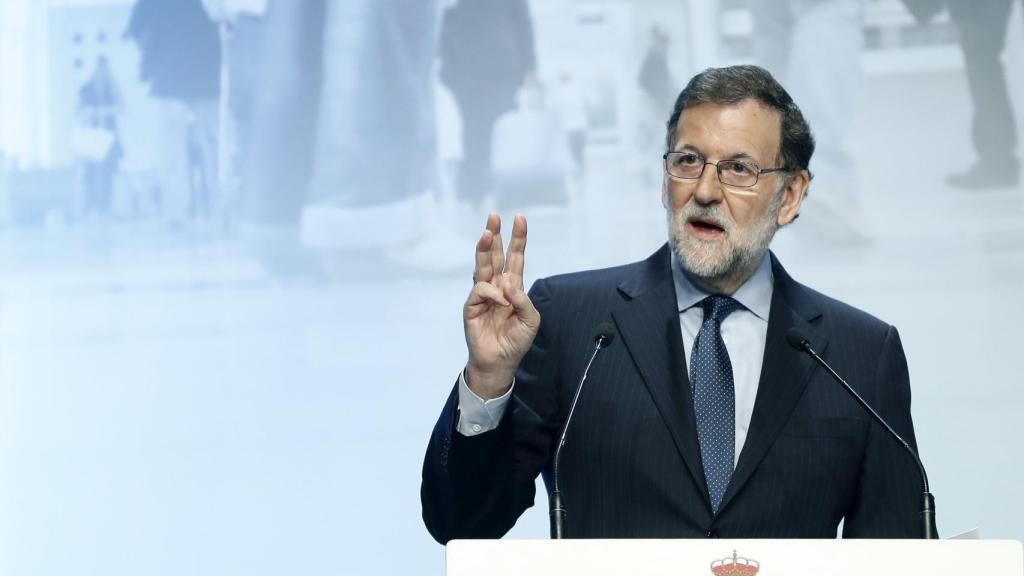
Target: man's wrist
<point>488,386</point>
<point>477,415</point>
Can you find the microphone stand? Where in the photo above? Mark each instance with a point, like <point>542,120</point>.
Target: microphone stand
<point>557,512</point>
<point>928,529</point>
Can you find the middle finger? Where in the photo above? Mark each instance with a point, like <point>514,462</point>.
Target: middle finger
<point>497,250</point>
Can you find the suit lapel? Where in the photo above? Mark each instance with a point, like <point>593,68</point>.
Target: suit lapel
<point>784,374</point>
<point>648,322</point>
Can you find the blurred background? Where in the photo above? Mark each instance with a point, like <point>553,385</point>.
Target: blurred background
<point>236,235</point>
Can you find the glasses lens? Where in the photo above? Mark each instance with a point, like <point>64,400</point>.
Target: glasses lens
<point>736,173</point>
<point>684,164</point>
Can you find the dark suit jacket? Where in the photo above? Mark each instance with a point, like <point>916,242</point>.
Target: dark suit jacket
<point>632,467</point>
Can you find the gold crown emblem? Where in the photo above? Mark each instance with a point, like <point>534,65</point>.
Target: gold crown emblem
<point>735,566</point>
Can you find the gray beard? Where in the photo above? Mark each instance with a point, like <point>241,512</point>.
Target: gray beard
<point>721,266</point>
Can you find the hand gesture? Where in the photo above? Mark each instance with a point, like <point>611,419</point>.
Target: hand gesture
<point>499,319</point>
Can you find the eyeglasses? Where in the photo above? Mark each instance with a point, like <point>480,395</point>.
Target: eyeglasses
<point>737,173</point>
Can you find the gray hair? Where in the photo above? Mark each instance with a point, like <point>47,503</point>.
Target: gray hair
<point>734,84</point>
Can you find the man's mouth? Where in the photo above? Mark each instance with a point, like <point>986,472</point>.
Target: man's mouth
<point>704,228</point>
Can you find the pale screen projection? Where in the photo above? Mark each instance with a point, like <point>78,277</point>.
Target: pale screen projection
<point>236,237</point>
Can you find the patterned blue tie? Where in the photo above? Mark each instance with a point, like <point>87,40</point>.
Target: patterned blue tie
<point>714,397</point>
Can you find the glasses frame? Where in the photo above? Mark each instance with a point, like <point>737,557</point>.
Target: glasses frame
<point>757,173</point>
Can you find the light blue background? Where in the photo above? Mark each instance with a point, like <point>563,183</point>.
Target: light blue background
<point>172,403</point>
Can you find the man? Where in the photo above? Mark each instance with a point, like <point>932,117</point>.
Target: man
<point>699,419</point>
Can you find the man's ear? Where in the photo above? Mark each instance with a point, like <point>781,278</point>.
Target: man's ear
<point>793,196</point>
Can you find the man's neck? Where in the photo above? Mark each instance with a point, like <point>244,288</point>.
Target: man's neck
<point>726,285</point>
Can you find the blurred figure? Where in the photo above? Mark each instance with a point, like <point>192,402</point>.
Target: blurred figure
<point>274,59</point>
<point>659,92</point>
<point>376,153</point>
<point>272,54</point>
<point>983,28</point>
<point>99,105</point>
<point>813,47</point>
<point>179,50</point>
<point>655,78</point>
<point>570,104</point>
<point>487,53</point>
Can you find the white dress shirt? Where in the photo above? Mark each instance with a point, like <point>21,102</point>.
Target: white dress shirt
<point>744,332</point>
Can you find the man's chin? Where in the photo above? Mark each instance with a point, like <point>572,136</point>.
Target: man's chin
<point>708,261</point>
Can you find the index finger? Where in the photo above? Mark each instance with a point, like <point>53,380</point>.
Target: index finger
<point>486,266</point>
<point>516,260</point>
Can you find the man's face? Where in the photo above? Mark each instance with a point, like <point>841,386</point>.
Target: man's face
<point>719,232</point>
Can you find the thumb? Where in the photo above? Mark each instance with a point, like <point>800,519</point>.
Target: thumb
<point>522,304</point>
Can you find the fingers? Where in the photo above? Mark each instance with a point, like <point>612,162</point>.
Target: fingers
<point>484,293</point>
<point>516,260</point>
<point>483,271</point>
<point>497,250</point>
<point>488,266</point>
<point>522,304</point>
<point>491,261</point>
<point>494,223</point>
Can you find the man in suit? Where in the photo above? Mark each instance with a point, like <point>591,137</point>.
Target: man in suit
<point>699,419</point>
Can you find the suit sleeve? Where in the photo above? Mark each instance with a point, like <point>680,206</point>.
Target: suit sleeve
<point>888,501</point>
<point>478,486</point>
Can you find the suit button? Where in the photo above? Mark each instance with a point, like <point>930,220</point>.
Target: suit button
<point>712,534</point>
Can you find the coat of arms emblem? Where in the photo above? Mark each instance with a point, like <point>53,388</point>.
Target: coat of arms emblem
<point>735,566</point>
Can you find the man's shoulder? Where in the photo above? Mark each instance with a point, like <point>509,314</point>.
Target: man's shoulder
<point>835,312</point>
<point>600,282</point>
<point>593,279</point>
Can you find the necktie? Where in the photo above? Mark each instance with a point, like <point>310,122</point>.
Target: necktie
<point>714,397</point>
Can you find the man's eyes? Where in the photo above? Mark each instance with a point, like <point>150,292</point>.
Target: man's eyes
<point>689,160</point>
<point>738,168</point>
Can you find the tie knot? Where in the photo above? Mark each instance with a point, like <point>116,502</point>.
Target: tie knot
<point>717,308</point>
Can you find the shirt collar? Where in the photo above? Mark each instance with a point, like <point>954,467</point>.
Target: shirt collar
<point>755,294</point>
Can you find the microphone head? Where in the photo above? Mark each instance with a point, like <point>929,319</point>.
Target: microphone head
<point>605,332</point>
<point>797,339</point>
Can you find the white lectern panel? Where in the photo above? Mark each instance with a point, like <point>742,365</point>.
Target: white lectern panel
<point>734,558</point>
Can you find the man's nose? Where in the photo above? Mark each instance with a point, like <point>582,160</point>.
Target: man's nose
<point>708,188</point>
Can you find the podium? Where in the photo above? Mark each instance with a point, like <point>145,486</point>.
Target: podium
<point>734,557</point>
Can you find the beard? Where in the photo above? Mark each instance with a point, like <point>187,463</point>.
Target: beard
<point>729,259</point>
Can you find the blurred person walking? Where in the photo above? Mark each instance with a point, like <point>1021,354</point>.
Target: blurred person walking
<point>375,159</point>
<point>179,50</point>
<point>487,54</point>
<point>99,105</point>
<point>272,53</point>
<point>983,28</point>
<point>658,91</point>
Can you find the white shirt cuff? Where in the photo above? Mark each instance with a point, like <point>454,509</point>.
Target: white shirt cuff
<point>477,415</point>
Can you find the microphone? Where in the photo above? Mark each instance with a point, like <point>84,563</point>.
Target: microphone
<point>800,342</point>
<point>603,336</point>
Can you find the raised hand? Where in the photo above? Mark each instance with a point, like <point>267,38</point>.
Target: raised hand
<point>499,319</point>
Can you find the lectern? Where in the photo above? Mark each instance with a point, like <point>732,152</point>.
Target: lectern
<point>735,557</point>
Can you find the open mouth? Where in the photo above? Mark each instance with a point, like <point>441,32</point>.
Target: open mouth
<point>704,227</point>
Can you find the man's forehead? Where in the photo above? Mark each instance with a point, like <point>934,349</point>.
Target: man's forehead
<point>747,126</point>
